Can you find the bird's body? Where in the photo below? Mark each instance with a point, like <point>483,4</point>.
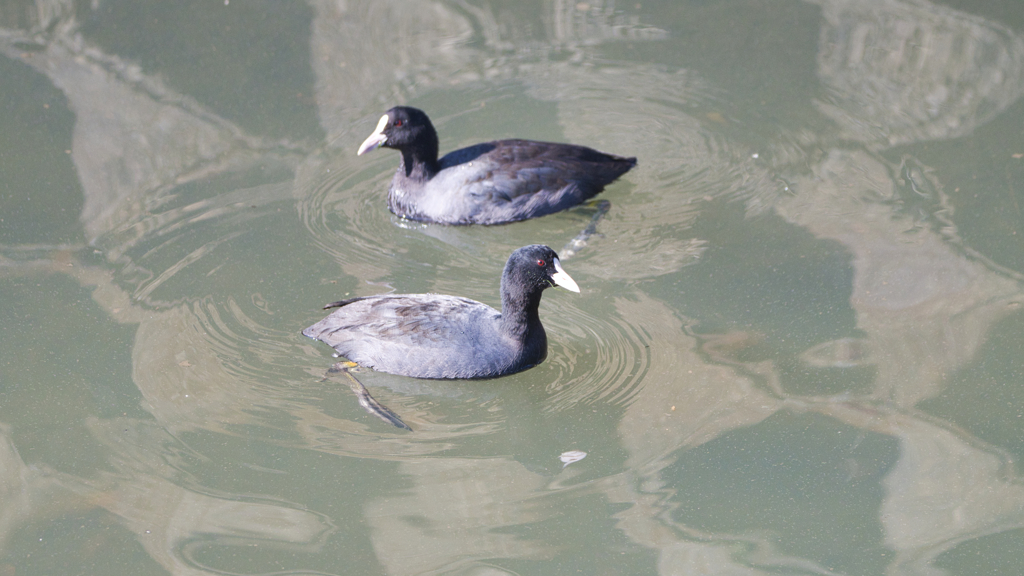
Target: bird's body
<point>439,336</point>
<point>490,183</point>
<point>407,334</point>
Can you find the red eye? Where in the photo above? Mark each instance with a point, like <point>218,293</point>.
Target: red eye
<point>541,263</point>
<point>399,122</point>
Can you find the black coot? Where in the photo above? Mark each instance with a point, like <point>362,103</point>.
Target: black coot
<point>490,183</point>
<point>437,336</point>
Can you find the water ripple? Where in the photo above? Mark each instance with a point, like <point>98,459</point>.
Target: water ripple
<point>604,358</point>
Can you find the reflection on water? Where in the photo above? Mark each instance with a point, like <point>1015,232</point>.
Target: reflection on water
<point>759,368</point>
<point>900,72</point>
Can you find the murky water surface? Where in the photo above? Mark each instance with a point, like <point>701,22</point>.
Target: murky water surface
<point>797,349</point>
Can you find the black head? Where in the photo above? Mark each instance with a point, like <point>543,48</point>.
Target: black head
<point>404,128</point>
<point>536,267</point>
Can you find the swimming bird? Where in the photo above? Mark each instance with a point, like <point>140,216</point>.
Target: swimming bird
<point>490,183</point>
<point>449,337</point>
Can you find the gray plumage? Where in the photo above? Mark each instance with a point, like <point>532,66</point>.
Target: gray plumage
<point>490,183</point>
<point>439,336</point>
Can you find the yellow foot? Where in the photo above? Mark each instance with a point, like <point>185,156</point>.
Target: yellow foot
<point>338,367</point>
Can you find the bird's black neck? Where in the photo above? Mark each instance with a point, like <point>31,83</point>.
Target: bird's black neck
<point>416,167</point>
<point>520,304</point>
<point>419,159</point>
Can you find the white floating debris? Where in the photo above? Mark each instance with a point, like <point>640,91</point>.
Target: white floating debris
<point>572,456</point>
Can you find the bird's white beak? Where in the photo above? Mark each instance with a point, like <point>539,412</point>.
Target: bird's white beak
<point>560,278</point>
<point>375,139</point>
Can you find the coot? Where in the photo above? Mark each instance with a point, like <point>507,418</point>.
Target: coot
<point>437,336</point>
<point>490,183</point>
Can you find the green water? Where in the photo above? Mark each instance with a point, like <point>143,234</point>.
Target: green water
<point>797,349</point>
